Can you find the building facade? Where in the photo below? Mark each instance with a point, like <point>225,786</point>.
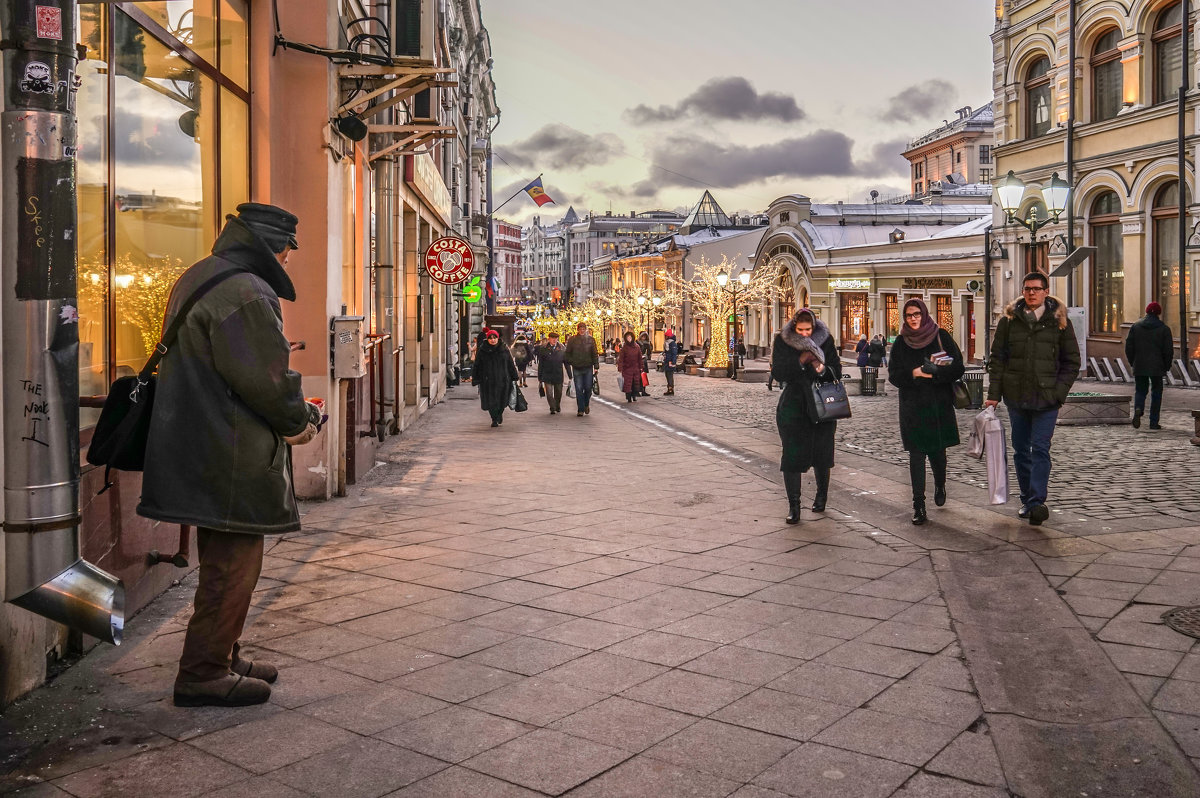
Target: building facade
<point>957,153</point>
<point>598,236</point>
<point>507,254</point>
<point>186,111</point>
<point>1121,137</point>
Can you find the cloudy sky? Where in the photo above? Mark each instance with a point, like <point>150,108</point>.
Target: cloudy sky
<point>641,104</point>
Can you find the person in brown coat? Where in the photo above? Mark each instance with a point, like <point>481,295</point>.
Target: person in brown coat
<point>629,363</point>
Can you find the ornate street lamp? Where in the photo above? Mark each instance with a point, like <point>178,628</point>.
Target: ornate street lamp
<point>723,280</point>
<point>1011,190</point>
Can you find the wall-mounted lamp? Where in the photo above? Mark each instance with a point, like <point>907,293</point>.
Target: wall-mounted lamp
<point>350,126</point>
<point>896,236</point>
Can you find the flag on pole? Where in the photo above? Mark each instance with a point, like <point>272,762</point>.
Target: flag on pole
<point>537,193</point>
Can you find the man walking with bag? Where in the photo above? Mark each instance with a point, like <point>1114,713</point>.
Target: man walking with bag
<point>1034,363</point>
<point>581,356</point>
<point>227,408</point>
<point>1148,348</point>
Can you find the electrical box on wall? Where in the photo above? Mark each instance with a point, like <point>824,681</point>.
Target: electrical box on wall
<point>346,347</point>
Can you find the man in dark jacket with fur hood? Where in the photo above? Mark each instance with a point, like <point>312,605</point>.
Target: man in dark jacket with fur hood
<point>227,408</point>
<point>1148,348</point>
<point>1034,363</point>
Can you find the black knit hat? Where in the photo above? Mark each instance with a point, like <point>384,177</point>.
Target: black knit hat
<point>275,226</point>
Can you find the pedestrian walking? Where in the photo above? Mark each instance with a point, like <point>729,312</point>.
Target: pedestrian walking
<point>629,364</point>
<point>647,349</point>
<point>522,354</point>
<point>670,357</point>
<point>551,369</point>
<point>876,351</point>
<point>495,374</point>
<point>1149,348</point>
<point>227,410</point>
<point>581,356</point>
<point>862,356</point>
<point>1033,364</point>
<point>926,362</point>
<point>803,353</point>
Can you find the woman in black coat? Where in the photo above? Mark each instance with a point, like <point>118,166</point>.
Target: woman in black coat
<point>928,425</point>
<point>629,363</point>
<point>495,372</point>
<point>804,353</point>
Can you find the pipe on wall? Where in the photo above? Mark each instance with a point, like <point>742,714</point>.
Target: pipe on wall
<point>44,572</point>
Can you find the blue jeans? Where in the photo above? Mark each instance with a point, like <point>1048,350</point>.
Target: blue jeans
<point>1031,434</point>
<point>583,387</point>
<point>1152,386</point>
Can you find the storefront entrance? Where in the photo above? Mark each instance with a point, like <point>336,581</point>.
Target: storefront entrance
<point>855,321</point>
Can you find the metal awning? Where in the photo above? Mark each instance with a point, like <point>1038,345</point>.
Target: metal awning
<point>396,83</point>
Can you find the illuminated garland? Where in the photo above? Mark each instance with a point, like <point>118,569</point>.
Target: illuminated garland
<point>142,292</point>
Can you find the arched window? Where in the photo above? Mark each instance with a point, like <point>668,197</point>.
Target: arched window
<point>1167,39</point>
<point>1165,219</point>
<point>1107,83</point>
<point>1108,264</point>
<point>1037,98</point>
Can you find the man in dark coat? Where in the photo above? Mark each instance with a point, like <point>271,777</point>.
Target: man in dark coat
<point>584,362</point>
<point>670,359</point>
<point>1149,348</point>
<point>1034,363</point>
<point>551,365</point>
<point>226,411</point>
<point>804,353</point>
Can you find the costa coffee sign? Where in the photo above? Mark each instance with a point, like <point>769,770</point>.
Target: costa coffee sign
<point>449,260</point>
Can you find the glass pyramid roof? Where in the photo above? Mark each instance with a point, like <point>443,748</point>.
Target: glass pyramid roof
<point>707,213</point>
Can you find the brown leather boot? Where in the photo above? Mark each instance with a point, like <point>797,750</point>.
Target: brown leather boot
<point>255,670</point>
<point>231,690</point>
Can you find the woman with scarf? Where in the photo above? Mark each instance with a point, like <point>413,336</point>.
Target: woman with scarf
<point>495,372</point>
<point>804,353</point>
<point>928,425</point>
<point>629,363</point>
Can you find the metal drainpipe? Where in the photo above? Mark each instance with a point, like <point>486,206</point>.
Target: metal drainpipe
<point>385,295</point>
<point>44,572</point>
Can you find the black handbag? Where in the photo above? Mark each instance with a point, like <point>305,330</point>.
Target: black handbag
<point>521,405</point>
<point>119,438</point>
<point>830,401</point>
<point>962,395</point>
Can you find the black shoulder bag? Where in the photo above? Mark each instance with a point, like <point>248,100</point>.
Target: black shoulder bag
<point>119,439</point>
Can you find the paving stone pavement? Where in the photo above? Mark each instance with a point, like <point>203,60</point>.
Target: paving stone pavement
<point>612,606</point>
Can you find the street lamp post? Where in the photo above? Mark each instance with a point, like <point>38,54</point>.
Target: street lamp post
<point>1012,190</point>
<point>744,280</point>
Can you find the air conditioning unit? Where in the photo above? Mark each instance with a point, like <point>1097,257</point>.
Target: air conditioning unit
<point>422,106</point>
<point>413,25</point>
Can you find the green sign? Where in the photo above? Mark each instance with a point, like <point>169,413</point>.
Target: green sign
<point>472,292</point>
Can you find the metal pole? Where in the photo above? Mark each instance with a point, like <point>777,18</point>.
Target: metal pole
<point>987,292</point>
<point>44,572</point>
<point>1184,43</point>
<point>1071,148</point>
<point>488,293</point>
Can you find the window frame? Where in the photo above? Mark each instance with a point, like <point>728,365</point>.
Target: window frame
<point>1109,59</point>
<point>1161,40</point>
<point>1095,221</point>
<point>1040,83</point>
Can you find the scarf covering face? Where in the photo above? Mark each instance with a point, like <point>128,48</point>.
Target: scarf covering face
<point>809,347</point>
<point>924,335</point>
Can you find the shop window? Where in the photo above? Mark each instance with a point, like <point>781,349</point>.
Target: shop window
<point>944,312</point>
<point>148,115</point>
<point>891,314</point>
<point>1166,40</point>
<point>1037,98</point>
<point>1108,267</point>
<point>1165,220</point>
<point>1107,80</point>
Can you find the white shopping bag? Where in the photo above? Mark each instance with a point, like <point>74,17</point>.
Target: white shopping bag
<point>975,444</point>
<point>995,445</point>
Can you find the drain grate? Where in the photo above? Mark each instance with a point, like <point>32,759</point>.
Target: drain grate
<point>1185,620</point>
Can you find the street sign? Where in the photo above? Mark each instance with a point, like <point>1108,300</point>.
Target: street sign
<point>449,260</point>
<point>472,292</point>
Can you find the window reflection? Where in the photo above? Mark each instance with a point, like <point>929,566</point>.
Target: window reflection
<point>192,22</point>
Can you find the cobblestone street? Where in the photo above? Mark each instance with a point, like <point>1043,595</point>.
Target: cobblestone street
<point>1101,473</point>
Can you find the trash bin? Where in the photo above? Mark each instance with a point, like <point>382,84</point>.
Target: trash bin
<point>974,382</point>
<point>870,380</point>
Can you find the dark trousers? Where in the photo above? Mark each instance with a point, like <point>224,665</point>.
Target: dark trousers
<point>230,563</point>
<point>916,471</point>
<point>1032,431</point>
<point>1153,386</point>
<point>583,387</point>
<point>670,372</point>
<point>497,415</point>
<point>553,395</point>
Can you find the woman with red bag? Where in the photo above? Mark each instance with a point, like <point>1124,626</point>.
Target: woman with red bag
<point>629,363</point>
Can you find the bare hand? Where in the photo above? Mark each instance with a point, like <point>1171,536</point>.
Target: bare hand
<point>310,432</point>
<point>991,403</point>
<point>917,372</point>
<point>820,367</point>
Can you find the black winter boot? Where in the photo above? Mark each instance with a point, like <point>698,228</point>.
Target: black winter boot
<point>791,483</point>
<point>919,512</point>
<point>822,475</point>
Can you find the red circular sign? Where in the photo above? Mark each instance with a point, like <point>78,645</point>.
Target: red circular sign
<point>449,260</point>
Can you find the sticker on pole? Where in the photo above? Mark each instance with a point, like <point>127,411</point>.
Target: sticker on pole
<point>49,22</point>
<point>449,260</point>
